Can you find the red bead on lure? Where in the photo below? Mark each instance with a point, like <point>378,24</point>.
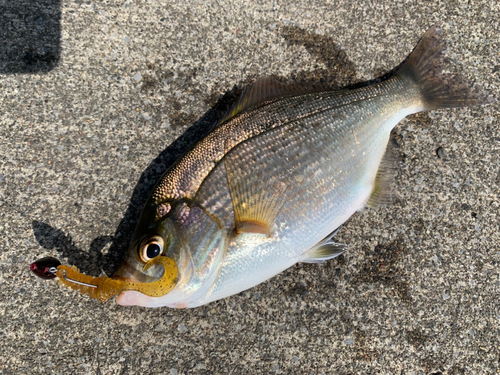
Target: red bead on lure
<point>45,268</point>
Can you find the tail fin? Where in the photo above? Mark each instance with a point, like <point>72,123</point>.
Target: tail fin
<point>424,66</point>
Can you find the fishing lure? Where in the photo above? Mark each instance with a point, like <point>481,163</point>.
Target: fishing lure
<point>103,288</point>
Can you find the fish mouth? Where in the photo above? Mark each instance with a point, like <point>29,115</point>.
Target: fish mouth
<point>147,294</point>
<point>134,272</point>
<point>127,279</point>
<point>134,298</point>
<point>162,285</point>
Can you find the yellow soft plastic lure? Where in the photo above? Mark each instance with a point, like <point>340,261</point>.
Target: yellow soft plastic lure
<point>103,288</point>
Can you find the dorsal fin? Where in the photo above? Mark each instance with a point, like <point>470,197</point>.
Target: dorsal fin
<point>265,90</point>
<point>381,193</point>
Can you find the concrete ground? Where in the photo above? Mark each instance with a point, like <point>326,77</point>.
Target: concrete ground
<point>97,98</point>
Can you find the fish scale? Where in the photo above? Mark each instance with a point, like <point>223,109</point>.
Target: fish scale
<point>185,177</point>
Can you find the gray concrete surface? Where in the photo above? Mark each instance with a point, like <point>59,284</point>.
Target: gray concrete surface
<point>84,137</point>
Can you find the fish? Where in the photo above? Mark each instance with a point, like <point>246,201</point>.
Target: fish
<point>271,183</point>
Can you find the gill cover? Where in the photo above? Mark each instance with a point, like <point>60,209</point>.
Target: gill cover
<point>193,237</point>
<point>199,251</point>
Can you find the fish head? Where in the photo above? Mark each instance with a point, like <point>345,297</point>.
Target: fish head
<point>190,236</point>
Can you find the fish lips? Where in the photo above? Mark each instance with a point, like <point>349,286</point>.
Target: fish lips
<point>133,298</point>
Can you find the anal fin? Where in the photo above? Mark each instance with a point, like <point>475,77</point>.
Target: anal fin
<point>382,193</point>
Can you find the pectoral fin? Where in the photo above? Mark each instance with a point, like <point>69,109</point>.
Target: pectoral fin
<point>257,198</point>
<point>255,208</point>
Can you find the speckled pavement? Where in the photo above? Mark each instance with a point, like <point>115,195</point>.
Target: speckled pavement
<point>107,94</point>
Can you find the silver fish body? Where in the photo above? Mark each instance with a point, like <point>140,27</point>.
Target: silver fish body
<point>321,158</point>
<point>265,188</point>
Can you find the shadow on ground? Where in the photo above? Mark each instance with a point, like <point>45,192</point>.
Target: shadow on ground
<point>30,35</point>
<point>94,260</point>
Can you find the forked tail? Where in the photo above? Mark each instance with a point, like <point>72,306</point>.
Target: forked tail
<point>424,66</point>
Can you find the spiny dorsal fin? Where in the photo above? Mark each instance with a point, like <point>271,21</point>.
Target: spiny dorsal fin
<point>382,193</point>
<point>265,90</point>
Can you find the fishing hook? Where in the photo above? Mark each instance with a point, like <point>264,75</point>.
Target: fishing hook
<point>78,282</point>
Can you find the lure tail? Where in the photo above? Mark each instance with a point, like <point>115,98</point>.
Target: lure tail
<point>424,66</point>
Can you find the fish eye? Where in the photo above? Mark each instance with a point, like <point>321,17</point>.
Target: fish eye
<point>151,248</point>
